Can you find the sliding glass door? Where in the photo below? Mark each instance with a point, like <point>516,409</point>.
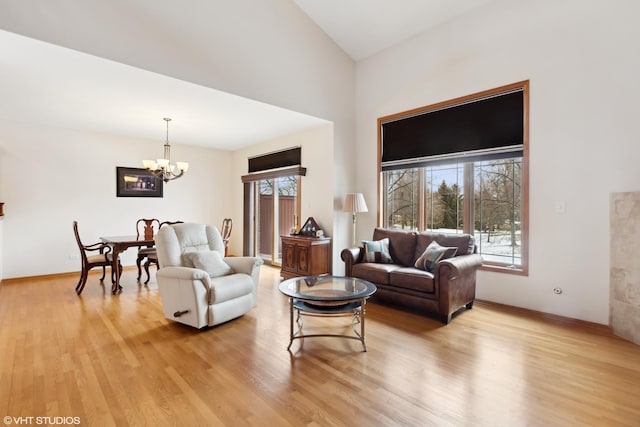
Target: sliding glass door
<point>277,210</point>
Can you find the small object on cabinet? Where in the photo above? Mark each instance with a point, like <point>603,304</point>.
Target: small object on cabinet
<point>309,228</point>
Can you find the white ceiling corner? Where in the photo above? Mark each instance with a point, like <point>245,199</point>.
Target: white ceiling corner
<point>365,27</point>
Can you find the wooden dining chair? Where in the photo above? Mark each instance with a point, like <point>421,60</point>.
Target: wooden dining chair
<point>144,228</point>
<point>101,259</point>
<point>152,257</point>
<point>225,232</point>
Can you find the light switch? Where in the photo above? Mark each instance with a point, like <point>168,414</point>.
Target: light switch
<point>560,209</point>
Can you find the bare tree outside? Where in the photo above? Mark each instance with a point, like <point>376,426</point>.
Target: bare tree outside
<point>497,198</point>
<point>286,186</point>
<point>401,199</point>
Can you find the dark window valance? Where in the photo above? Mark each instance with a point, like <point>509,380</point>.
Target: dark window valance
<point>487,127</point>
<point>275,160</point>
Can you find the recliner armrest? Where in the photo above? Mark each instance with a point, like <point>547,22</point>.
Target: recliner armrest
<point>246,265</point>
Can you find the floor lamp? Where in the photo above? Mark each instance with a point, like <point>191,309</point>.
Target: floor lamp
<point>354,203</point>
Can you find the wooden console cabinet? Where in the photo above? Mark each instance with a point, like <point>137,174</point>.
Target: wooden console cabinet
<point>305,256</point>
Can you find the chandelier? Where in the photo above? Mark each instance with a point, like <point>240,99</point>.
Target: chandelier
<point>162,168</point>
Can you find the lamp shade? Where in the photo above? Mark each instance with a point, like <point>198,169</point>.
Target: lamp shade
<point>354,202</point>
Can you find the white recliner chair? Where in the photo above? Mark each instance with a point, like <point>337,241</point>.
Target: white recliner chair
<point>198,286</point>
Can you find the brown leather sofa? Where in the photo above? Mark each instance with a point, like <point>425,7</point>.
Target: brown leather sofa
<point>450,287</point>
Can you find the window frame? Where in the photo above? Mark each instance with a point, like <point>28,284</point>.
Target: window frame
<point>523,269</point>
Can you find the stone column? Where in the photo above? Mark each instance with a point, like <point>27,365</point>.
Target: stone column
<point>624,274</point>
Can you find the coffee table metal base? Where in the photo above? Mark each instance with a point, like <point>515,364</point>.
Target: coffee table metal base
<point>298,308</point>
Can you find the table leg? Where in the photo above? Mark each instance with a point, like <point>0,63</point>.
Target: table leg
<point>115,266</point>
<point>290,323</point>
<point>362,313</point>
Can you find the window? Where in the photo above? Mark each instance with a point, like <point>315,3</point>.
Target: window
<point>481,190</point>
<point>277,211</point>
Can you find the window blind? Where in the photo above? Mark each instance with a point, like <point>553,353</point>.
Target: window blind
<point>478,129</point>
<point>275,160</point>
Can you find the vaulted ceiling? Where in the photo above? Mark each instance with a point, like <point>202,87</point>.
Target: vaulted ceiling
<point>79,91</point>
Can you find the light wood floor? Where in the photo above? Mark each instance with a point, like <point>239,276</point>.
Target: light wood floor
<point>115,360</point>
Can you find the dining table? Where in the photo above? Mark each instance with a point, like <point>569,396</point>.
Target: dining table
<point>119,244</point>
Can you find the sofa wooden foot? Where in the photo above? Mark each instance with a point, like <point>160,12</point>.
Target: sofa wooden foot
<point>469,305</point>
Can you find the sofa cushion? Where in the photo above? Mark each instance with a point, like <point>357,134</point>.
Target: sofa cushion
<point>377,251</point>
<point>209,261</point>
<point>376,273</point>
<point>412,278</point>
<point>434,253</point>
<point>464,242</point>
<point>402,245</point>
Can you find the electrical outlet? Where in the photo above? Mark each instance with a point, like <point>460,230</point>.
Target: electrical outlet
<point>557,290</point>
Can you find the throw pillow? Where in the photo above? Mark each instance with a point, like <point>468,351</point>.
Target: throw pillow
<point>377,251</point>
<point>209,261</point>
<point>434,253</point>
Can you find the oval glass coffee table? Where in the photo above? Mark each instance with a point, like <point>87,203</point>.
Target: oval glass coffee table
<point>327,296</point>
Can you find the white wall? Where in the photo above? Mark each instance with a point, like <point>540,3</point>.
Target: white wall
<point>580,58</point>
<point>50,177</point>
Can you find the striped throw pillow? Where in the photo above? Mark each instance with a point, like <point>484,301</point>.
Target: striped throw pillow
<point>432,255</point>
<point>377,251</point>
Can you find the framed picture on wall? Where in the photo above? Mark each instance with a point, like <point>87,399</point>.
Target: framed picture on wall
<point>137,182</point>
